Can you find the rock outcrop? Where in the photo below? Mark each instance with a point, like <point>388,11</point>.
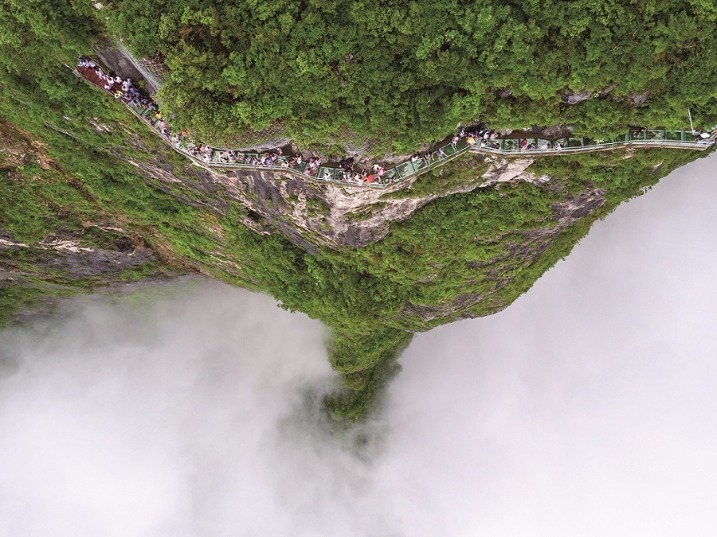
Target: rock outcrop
<point>330,214</point>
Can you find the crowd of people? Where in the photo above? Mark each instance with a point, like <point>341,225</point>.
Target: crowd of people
<point>123,89</point>
<point>347,171</point>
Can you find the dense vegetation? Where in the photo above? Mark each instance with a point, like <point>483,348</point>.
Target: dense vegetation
<point>408,72</point>
<point>463,255</point>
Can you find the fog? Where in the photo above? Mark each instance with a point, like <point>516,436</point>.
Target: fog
<point>587,408</point>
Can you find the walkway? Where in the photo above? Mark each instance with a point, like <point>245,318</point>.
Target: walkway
<point>221,158</point>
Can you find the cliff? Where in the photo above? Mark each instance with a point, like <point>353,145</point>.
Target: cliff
<point>463,240</point>
<point>89,197</point>
<point>329,214</point>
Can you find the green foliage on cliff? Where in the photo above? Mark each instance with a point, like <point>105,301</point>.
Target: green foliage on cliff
<point>408,72</point>
<point>462,255</point>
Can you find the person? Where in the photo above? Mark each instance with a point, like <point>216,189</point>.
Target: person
<point>470,140</point>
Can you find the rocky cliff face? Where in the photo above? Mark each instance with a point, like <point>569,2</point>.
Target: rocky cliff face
<point>464,240</point>
<point>311,213</point>
<point>46,247</point>
<point>525,248</point>
<point>333,215</point>
<point>165,213</point>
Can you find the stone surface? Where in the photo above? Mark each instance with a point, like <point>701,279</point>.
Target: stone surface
<point>576,98</point>
<point>332,214</point>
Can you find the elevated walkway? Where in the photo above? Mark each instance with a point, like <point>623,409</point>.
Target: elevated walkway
<point>527,147</point>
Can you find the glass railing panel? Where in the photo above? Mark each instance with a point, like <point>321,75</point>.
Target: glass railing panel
<point>390,176</point>
<point>419,163</point>
<point>404,170</point>
<point>510,145</point>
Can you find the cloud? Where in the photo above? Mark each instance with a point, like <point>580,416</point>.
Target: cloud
<point>586,408</point>
<point>151,419</point>
<point>190,410</point>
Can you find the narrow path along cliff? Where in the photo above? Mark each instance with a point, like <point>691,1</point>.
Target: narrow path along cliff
<point>478,139</point>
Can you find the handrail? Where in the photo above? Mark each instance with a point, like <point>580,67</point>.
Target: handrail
<point>508,147</point>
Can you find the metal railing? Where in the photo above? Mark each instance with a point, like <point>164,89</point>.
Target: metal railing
<point>222,158</point>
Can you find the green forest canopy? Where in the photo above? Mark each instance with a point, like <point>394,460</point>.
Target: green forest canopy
<point>408,72</point>
<point>404,73</point>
